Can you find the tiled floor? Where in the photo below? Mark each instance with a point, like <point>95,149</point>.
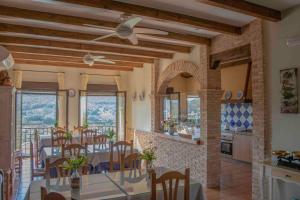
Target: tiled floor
<point>235,182</point>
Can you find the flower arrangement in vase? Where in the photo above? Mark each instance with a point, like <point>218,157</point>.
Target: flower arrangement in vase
<point>111,135</point>
<point>170,124</point>
<point>68,136</point>
<point>74,164</point>
<point>149,156</point>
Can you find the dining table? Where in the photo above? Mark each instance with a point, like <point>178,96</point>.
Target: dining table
<point>95,155</point>
<point>128,184</point>
<point>45,140</point>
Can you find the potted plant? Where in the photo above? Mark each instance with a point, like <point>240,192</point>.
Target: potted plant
<point>56,124</point>
<point>85,124</point>
<point>73,164</point>
<point>111,135</point>
<point>68,136</point>
<point>149,156</point>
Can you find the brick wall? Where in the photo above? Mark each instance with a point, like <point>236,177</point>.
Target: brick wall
<point>253,34</point>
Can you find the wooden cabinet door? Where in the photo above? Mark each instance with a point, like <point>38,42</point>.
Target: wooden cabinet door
<point>242,148</point>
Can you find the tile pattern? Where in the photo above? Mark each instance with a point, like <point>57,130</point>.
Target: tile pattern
<point>237,115</point>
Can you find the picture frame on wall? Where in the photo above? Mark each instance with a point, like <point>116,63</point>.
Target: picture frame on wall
<point>289,90</point>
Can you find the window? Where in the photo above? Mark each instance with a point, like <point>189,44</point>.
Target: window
<point>39,109</point>
<point>193,109</point>
<point>101,110</point>
<point>171,106</point>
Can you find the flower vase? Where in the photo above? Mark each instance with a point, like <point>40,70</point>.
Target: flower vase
<point>75,179</point>
<point>171,130</point>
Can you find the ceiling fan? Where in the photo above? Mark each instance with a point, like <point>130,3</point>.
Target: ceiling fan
<point>127,30</point>
<point>90,59</point>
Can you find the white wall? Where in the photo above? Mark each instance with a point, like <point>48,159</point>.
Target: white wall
<point>285,127</point>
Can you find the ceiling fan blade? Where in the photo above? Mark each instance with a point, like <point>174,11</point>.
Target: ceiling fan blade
<point>99,27</point>
<point>133,39</point>
<point>105,36</point>
<point>132,22</point>
<point>149,31</point>
<point>105,61</point>
<point>98,57</point>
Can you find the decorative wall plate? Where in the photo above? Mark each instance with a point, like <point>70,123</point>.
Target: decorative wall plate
<point>239,94</point>
<point>72,92</point>
<point>228,95</point>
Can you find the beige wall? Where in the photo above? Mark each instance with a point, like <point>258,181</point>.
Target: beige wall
<point>72,81</point>
<point>285,127</point>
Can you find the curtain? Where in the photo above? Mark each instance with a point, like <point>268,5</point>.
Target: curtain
<point>18,75</point>
<point>61,95</point>
<point>118,79</point>
<point>84,81</point>
<point>61,81</point>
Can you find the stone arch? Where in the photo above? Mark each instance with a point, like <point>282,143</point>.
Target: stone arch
<point>176,68</point>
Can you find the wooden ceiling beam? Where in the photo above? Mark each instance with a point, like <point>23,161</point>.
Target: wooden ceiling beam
<point>69,59</point>
<point>89,37</point>
<point>86,47</point>
<point>73,65</point>
<point>158,15</point>
<point>72,53</point>
<point>247,8</point>
<point>79,21</point>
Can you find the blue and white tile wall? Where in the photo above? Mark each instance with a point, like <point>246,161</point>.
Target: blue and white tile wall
<point>237,115</point>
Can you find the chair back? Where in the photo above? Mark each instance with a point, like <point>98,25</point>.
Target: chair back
<point>87,136</point>
<point>121,149</point>
<point>58,166</point>
<point>100,141</point>
<point>131,162</point>
<point>166,180</point>
<point>58,137</point>
<point>78,129</point>
<point>50,196</point>
<point>74,150</point>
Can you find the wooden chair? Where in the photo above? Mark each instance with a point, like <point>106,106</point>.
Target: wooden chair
<point>87,136</point>
<point>18,161</point>
<point>131,162</point>
<point>121,148</point>
<point>50,196</point>
<point>58,166</point>
<point>58,138</point>
<point>100,141</point>
<point>74,150</point>
<point>78,129</point>
<point>35,172</point>
<point>171,192</point>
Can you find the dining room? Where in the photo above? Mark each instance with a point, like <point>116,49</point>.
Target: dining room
<point>115,99</point>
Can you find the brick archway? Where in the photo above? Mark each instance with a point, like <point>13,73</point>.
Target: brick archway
<point>176,68</point>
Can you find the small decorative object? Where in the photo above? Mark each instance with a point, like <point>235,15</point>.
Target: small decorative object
<point>289,91</point>
<point>68,136</point>
<point>142,96</point>
<point>149,156</point>
<point>134,96</point>
<point>228,95</point>
<point>239,94</point>
<point>72,92</point>
<point>74,164</point>
<point>170,125</point>
<point>5,79</point>
<point>111,135</point>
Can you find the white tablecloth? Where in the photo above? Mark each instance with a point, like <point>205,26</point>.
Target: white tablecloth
<point>95,156</point>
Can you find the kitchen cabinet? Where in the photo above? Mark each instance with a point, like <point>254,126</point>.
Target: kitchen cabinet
<point>242,147</point>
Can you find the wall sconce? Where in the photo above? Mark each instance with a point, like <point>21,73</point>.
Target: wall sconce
<point>134,96</point>
<point>142,96</point>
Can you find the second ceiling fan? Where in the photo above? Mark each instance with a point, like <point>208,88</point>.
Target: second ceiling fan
<point>127,30</point>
